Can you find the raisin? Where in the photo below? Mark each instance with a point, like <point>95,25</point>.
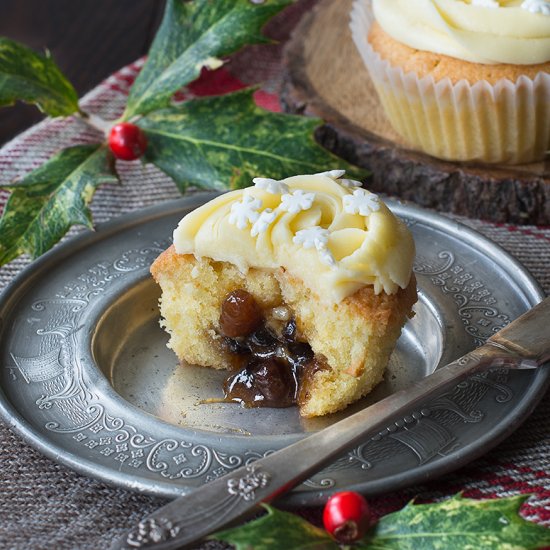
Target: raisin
<point>263,343</point>
<point>236,347</point>
<point>263,383</point>
<point>273,380</point>
<point>299,353</point>
<point>240,314</point>
<point>289,332</point>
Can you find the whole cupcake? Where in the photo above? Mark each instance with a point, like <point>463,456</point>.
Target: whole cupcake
<point>465,80</point>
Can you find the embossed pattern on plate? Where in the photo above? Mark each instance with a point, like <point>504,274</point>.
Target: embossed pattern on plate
<point>86,376</point>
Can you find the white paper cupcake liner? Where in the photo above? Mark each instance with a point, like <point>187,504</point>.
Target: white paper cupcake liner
<point>505,122</point>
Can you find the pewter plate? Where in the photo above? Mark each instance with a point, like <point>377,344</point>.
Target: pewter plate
<point>87,379</point>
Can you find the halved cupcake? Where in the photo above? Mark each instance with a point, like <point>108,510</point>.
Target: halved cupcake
<point>299,287</point>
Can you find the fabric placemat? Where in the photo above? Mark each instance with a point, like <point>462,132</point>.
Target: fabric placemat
<point>46,505</point>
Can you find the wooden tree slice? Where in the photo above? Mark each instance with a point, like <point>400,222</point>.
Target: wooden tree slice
<point>325,77</point>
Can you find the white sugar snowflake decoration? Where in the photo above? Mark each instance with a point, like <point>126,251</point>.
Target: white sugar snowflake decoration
<point>537,6</point>
<point>326,257</point>
<point>312,237</point>
<point>245,211</point>
<point>275,187</point>
<point>350,184</point>
<point>297,201</point>
<point>266,218</point>
<point>316,237</point>
<point>332,174</point>
<point>361,202</point>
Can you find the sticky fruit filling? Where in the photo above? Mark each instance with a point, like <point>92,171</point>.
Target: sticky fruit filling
<point>273,366</point>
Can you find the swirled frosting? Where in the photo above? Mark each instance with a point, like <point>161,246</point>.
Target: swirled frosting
<point>480,31</point>
<point>322,229</point>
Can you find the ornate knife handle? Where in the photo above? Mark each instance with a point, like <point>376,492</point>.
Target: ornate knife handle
<point>235,496</point>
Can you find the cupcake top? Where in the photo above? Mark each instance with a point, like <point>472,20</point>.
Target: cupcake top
<point>322,228</point>
<point>480,31</point>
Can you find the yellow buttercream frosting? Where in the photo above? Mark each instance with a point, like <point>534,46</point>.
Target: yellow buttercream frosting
<point>322,229</point>
<point>480,31</point>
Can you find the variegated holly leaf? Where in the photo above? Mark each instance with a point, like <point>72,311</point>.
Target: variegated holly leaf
<point>194,35</point>
<point>223,142</point>
<point>456,524</point>
<point>28,76</point>
<point>277,530</point>
<point>46,203</point>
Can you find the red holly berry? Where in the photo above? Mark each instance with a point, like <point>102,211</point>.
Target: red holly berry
<point>127,141</point>
<point>346,516</point>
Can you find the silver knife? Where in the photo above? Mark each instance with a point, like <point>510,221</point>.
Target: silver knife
<point>523,344</point>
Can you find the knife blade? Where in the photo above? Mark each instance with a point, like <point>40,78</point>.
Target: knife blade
<point>523,344</point>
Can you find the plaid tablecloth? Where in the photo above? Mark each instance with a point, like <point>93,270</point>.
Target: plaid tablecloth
<point>45,505</point>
